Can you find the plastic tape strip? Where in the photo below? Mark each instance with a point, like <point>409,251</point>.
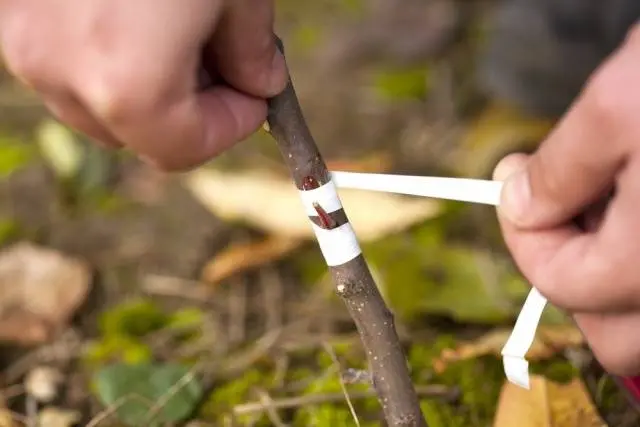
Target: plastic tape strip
<point>326,196</point>
<point>513,353</point>
<point>338,245</point>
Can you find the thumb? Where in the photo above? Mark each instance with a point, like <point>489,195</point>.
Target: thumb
<point>574,167</point>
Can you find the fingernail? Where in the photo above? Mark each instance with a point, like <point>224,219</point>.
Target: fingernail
<point>278,77</point>
<point>516,191</point>
<point>516,196</point>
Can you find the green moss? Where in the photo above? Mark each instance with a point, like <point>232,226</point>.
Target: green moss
<point>133,319</point>
<point>116,348</point>
<point>421,273</point>
<point>438,414</point>
<point>479,382</point>
<point>401,84</point>
<point>557,369</point>
<point>9,229</point>
<point>14,154</point>
<point>327,416</point>
<point>221,401</point>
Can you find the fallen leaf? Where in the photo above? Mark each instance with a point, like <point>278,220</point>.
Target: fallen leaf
<point>146,385</point>
<point>58,417</point>
<point>497,131</point>
<point>546,404</point>
<point>271,203</point>
<point>549,340</point>
<point>244,256</point>
<point>6,418</point>
<point>40,289</point>
<point>421,272</point>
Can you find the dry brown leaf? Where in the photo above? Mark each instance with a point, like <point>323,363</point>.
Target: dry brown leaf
<point>58,417</point>
<point>546,404</point>
<point>6,418</point>
<point>550,339</point>
<point>271,203</point>
<point>40,289</point>
<point>244,256</point>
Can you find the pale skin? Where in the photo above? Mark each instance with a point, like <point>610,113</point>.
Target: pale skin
<point>125,73</point>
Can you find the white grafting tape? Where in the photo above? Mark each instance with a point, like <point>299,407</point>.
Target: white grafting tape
<point>460,189</point>
<point>338,245</point>
<point>326,196</point>
<point>521,338</point>
<point>517,370</point>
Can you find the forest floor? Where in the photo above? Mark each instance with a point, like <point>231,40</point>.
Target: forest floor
<point>132,297</point>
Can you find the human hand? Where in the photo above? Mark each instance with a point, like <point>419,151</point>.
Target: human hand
<point>591,271</point>
<point>126,72</point>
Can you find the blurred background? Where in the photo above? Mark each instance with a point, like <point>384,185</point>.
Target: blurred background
<point>132,297</point>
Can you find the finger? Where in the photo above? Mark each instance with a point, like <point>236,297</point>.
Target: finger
<point>68,109</point>
<point>614,340</point>
<point>576,164</point>
<point>578,270</point>
<point>184,133</point>
<point>243,49</point>
<point>546,255</point>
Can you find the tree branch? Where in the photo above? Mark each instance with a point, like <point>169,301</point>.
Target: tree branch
<point>354,284</point>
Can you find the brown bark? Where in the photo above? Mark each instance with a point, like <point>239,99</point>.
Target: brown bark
<point>353,280</point>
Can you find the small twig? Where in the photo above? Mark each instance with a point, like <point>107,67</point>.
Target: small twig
<point>242,360</point>
<point>281,369</point>
<point>438,391</point>
<point>112,409</point>
<point>336,363</point>
<point>353,280</point>
<point>12,391</point>
<point>167,286</point>
<point>267,401</point>
<point>272,297</point>
<point>154,411</point>
<point>237,303</point>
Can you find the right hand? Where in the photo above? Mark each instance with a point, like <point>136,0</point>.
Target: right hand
<point>126,72</point>
<point>587,168</point>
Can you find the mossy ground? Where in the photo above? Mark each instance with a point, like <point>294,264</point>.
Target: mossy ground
<point>266,334</point>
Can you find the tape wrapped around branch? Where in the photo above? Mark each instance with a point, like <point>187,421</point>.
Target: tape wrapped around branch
<point>338,245</point>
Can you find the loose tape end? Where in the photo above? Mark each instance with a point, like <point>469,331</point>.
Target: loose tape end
<point>517,371</point>
<point>516,367</point>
